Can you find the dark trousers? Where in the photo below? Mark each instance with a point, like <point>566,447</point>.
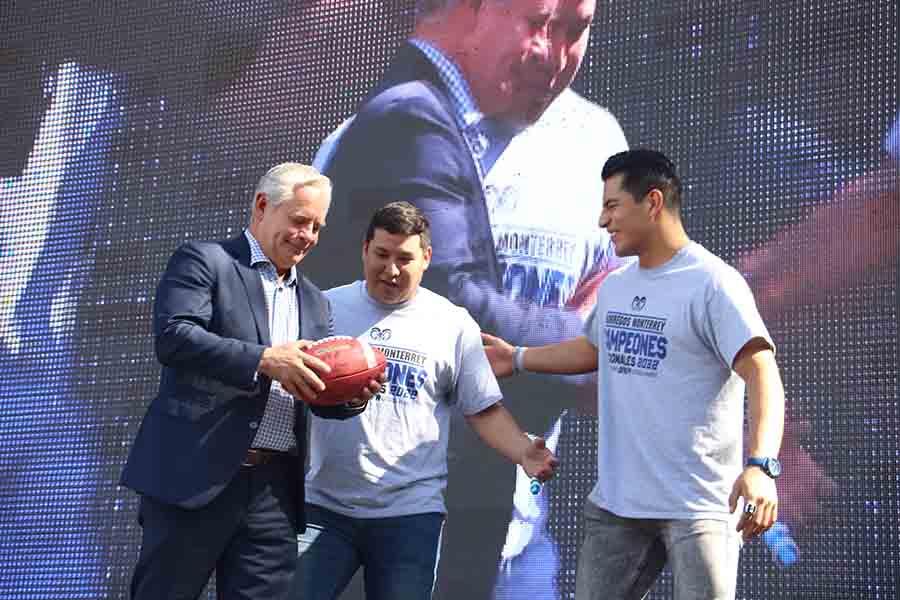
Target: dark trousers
<point>247,534</point>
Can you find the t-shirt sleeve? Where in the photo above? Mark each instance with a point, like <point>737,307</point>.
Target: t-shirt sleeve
<point>476,386</point>
<point>591,328</point>
<point>732,317</point>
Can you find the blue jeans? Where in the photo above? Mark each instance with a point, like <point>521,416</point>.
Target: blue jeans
<point>621,558</point>
<point>399,555</point>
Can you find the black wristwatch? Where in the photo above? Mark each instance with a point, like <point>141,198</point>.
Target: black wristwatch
<point>770,466</point>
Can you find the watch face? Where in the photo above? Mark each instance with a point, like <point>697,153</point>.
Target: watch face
<point>773,467</point>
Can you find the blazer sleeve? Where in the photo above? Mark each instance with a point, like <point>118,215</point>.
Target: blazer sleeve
<point>408,148</point>
<point>182,317</point>
<point>340,413</point>
<point>422,159</point>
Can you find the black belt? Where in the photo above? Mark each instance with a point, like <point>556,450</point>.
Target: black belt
<point>261,456</point>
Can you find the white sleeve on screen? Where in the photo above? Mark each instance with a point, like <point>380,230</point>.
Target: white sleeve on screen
<point>329,145</point>
<point>79,97</point>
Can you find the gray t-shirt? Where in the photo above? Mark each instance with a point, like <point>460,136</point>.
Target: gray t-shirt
<point>670,407</point>
<point>392,459</point>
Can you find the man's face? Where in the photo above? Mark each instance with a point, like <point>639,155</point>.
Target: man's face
<point>288,231</point>
<point>393,265</point>
<point>628,221</point>
<point>523,53</point>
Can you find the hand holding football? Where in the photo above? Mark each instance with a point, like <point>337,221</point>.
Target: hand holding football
<point>354,363</point>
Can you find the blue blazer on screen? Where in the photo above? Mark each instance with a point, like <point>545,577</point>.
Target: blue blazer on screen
<point>210,323</point>
<point>405,144</point>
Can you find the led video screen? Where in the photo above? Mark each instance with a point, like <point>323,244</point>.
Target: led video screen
<point>130,128</point>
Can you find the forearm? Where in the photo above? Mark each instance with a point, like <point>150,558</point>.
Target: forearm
<point>189,347</point>
<point>765,394</point>
<point>499,430</point>
<point>571,357</point>
<point>183,312</point>
<point>785,270</point>
<point>519,323</point>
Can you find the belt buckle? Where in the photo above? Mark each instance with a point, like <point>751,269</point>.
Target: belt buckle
<point>254,458</point>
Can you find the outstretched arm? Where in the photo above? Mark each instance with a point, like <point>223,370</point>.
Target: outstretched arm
<point>571,357</point>
<point>805,262</point>
<point>500,431</point>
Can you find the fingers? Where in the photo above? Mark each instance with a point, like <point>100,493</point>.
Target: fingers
<point>743,525</point>
<point>373,389</point>
<point>300,389</point>
<point>545,472</point>
<point>542,462</point>
<point>310,361</point>
<point>733,498</point>
<point>489,340</point>
<point>767,517</point>
<point>758,516</point>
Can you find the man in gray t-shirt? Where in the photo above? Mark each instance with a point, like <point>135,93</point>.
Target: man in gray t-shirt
<point>675,337</point>
<point>375,484</point>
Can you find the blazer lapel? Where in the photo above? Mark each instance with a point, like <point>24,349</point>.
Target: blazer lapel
<point>253,286</point>
<point>306,332</point>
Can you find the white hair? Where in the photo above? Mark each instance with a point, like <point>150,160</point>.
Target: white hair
<point>281,181</point>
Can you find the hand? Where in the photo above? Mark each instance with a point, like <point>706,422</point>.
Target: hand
<point>499,354</point>
<point>538,461</point>
<point>374,388</point>
<point>758,490</point>
<point>296,371</point>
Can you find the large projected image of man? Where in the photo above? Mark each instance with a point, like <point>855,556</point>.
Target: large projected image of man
<point>481,132</point>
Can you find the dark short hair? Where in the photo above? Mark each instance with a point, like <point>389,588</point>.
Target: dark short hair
<point>643,171</point>
<point>401,218</point>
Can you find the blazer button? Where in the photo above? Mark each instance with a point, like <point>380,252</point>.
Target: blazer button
<point>253,424</point>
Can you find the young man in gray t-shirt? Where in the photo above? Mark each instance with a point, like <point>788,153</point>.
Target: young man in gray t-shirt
<point>375,485</point>
<point>675,337</point>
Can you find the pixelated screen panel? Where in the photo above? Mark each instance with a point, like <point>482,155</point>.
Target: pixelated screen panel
<point>128,130</point>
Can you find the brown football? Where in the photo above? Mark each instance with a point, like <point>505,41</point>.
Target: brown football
<point>353,362</point>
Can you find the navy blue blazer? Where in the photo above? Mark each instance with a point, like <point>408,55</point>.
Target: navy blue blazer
<point>211,327</point>
<point>405,144</point>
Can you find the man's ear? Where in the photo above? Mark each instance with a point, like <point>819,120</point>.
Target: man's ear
<point>428,253</point>
<point>656,201</point>
<point>260,202</point>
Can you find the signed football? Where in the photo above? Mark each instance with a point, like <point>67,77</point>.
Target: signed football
<point>353,362</point>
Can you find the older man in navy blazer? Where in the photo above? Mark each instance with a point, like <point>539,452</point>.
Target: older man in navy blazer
<point>219,457</point>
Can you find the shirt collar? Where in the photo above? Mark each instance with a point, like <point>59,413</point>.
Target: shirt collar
<point>467,112</point>
<point>258,257</point>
